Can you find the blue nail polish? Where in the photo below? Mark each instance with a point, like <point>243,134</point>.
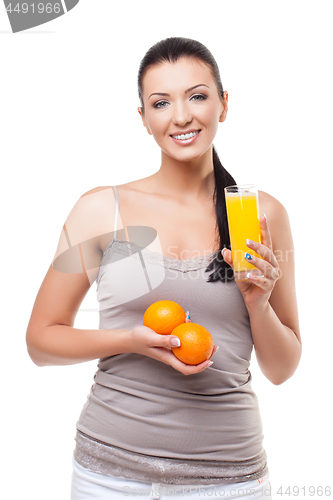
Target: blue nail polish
<point>248,256</point>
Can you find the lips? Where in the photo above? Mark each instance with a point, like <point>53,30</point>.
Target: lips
<point>186,138</point>
<point>185,135</point>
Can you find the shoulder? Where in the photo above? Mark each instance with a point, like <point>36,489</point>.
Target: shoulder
<point>90,223</point>
<point>96,199</point>
<point>98,192</point>
<point>277,219</point>
<point>91,213</point>
<point>270,206</point>
<point>274,210</point>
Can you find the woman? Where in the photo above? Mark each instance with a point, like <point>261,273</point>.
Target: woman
<point>151,421</point>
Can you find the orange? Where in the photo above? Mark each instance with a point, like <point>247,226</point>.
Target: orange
<point>163,316</point>
<point>196,343</point>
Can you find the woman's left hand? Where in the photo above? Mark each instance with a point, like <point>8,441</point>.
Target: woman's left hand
<point>256,290</point>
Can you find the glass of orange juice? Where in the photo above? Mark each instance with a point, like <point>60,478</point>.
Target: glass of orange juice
<point>243,220</point>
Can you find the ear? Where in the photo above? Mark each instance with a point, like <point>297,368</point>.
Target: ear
<point>223,115</point>
<point>143,120</point>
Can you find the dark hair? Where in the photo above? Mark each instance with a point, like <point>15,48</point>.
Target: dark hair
<point>170,50</point>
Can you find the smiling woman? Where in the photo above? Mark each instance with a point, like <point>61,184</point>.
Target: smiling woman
<point>150,419</point>
<point>169,117</point>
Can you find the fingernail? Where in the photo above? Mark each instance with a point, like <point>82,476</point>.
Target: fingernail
<point>175,342</point>
<point>265,216</point>
<point>249,243</point>
<point>217,348</point>
<point>248,256</point>
<point>210,364</point>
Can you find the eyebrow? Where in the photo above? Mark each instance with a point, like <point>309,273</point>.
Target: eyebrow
<point>186,91</point>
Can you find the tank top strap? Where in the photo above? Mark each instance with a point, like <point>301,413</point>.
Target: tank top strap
<point>115,190</point>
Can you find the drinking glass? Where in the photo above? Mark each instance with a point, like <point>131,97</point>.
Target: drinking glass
<point>243,221</point>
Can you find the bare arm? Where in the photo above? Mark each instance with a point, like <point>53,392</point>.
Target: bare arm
<point>51,338</point>
<point>277,347</point>
<point>271,301</point>
<point>275,326</point>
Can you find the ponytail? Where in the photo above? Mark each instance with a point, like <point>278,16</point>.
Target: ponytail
<point>222,270</point>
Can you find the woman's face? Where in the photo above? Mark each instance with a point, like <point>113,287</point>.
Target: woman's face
<point>182,107</point>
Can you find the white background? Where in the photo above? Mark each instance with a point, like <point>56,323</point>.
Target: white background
<point>69,123</point>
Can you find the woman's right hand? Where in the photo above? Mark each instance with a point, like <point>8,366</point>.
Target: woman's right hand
<point>146,341</point>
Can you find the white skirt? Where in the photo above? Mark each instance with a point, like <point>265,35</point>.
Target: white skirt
<point>87,484</point>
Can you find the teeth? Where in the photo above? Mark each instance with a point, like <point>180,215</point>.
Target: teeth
<point>183,137</point>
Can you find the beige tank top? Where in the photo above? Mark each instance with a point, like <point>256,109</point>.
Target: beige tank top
<point>145,420</point>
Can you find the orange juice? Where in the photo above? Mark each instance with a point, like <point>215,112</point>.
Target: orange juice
<point>243,221</point>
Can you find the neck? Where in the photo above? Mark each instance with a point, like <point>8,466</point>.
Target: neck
<point>191,181</point>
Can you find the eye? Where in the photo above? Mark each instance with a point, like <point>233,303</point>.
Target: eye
<point>160,104</point>
<point>198,97</point>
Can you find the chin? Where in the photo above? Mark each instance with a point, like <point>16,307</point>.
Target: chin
<point>184,156</point>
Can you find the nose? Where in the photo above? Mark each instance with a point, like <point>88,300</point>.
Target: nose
<point>181,114</point>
